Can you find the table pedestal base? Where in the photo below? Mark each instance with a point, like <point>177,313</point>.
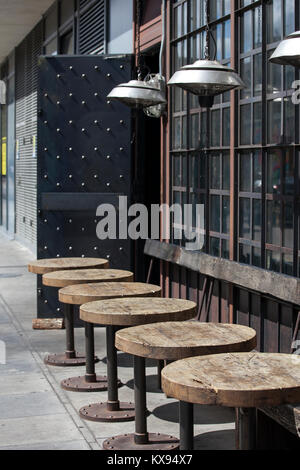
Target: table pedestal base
<point>80,384</point>
<point>156,441</point>
<point>100,412</point>
<point>63,361</point>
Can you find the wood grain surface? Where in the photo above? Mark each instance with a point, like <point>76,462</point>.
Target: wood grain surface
<point>235,379</point>
<point>177,340</point>
<point>82,276</point>
<point>137,311</point>
<point>43,266</point>
<point>82,293</point>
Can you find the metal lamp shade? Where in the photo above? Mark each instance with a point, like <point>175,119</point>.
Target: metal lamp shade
<point>206,78</point>
<point>288,51</point>
<point>137,93</point>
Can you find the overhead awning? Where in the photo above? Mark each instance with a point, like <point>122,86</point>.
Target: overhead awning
<point>17,18</point>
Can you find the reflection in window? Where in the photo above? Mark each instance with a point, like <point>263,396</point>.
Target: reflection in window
<point>274,16</point>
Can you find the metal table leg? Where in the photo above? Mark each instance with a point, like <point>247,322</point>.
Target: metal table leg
<point>141,439</point>
<point>186,424</point>
<point>69,358</point>
<point>113,410</point>
<point>247,428</point>
<point>90,382</point>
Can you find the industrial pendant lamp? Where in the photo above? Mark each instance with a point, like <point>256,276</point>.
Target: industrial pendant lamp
<point>288,51</point>
<point>140,93</point>
<point>206,78</point>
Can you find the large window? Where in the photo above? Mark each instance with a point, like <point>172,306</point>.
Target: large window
<point>263,150</point>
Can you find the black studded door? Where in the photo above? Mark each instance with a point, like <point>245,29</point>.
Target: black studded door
<point>84,159</point>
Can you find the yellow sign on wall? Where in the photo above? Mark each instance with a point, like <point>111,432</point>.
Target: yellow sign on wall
<point>3,156</point>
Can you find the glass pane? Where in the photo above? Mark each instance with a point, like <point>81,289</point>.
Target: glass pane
<point>176,171</point>
<point>184,132</point>
<point>273,260</point>
<point>289,121</point>
<point>225,249</point>
<point>257,171</point>
<point>184,170</point>
<point>274,15</point>
<point>176,133</point>
<point>287,264</point>
<point>66,11</point>
<point>256,257</point>
<point>273,76</point>
<point>257,27</point>
<point>215,128</point>
<point>203,129</point>
<point>257,74</point>
<point>215,9</point>
<point>67,44</point>
<point>245,172</point>
<point>245,124</point>
<point>288,173</point>
<point>214,246</point>
<point>225,214</point>
<point>215,213</point>
<point>273,172</point>
<point>202,172</point>
<point>194,171</point>
<point>226,127</point>
<point>195,130</point>
<point>274,122</point>
<point>273,223</point>
<point>226,172</point>
<point>51,23</point>
<point>178,22</point>
<point>244,254</point>
<point>51,48</point>
<point>289,17</point>
<point>246,77</point>
<point>288,224</point>
<point>244,218</point>
<point>246,32</point>
<point>256,222</point>
<point>257,115</point>
<point>215,171</point>
<point>289,76</point>
<point>226,40</point>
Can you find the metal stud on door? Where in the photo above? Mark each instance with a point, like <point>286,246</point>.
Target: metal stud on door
<point>84,145</point>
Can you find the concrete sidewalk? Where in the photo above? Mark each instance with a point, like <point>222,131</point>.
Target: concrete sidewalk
<point>35,413</point>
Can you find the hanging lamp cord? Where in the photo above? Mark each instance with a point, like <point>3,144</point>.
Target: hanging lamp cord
<point>138,24</point>
<point>206,53</point>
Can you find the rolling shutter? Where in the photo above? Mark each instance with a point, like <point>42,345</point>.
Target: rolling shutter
<point>26,134</point>
<point>92,25</point>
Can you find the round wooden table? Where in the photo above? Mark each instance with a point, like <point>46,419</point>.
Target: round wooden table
<point>48,265</point>
<point>79,294</point>
<point>66,278</point>
<point>241,380</point>
<point>172,341</point>
<point>118,313</point>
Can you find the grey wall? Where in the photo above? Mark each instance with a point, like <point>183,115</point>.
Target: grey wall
<point>120,34</point>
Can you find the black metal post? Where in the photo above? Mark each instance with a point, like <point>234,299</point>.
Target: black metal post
<point>186,424</point>
<point>90,375</point>
<point>141,434</point>
<point>113,403</point>
<point>160,366</point>
<point>69,324</point>
<point>247,428</point>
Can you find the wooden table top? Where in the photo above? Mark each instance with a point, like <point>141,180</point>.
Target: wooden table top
<point>43,266</point>
<point>82,293</point>
<point>137,311</point>
<point>177,340</point>
<point>82,276</point>
<point>246,380</point>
